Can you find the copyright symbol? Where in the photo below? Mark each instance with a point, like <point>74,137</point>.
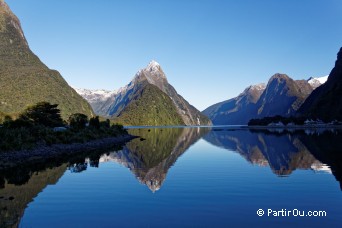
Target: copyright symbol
<point>260,212</point>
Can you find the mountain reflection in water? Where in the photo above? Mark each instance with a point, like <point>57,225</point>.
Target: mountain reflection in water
<point>151,157</point>
<point>284,151</point>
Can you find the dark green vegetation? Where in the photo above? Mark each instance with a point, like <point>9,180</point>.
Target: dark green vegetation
<point>325,102</point>
<point>24,79</point>
<point>149,106</point>
<point>35,127</point>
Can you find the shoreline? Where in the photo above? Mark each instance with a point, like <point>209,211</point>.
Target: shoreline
<point>299,127</point>
<point>14,158</point>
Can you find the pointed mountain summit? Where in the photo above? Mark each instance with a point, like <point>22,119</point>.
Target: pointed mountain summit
<point>283,96</point>
<point>24,79</point>
<point>149,99</point>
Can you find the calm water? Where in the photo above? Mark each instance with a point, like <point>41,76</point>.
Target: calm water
<point>185,177</point>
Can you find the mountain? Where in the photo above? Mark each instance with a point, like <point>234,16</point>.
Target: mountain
<point>316,82</point>
<point>149,97</point>
<point>150,106</point>
<point>282,96</point>
<point>95,97</point>
<point>325,102</point>
<point>24,79</point>
<point>238,110</point>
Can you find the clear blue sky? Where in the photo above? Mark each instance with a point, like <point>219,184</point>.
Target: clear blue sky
<point>210,50</point>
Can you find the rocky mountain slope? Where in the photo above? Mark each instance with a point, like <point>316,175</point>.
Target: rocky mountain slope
<point>325,102</point>
<point>24,79</point>
<point>95,97</point>
<point>238,110</point>
<point>281,96</point>
<point>118,105</point>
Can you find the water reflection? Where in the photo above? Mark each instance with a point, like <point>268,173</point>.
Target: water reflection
<point>284,151</point>
<point>151,157</point>
<point>149,160</point>
<point>15,196</point>
<point>19,185</point>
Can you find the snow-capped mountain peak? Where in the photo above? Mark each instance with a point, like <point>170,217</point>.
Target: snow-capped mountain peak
<point>259,87</point>
<point>95,95</point>
<point>153,66</point>
<point>317,81</point>
<point>153,63</point>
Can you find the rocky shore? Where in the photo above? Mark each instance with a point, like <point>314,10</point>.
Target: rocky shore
<point>41,153</point>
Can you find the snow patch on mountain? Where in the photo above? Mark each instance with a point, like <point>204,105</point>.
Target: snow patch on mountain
<point>95,95</point>
<point>259,87</point>
<point>317,81</point>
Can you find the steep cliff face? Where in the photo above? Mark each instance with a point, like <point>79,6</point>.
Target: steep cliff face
<point>282,96</point>
<point>24,79</point>
<point>238,110</point>
<point>325,102</point>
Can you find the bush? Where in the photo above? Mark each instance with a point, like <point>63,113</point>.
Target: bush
<point>43,113</point>
<point>94,122</point>
<point>78,121</point>
<point>18,123</point>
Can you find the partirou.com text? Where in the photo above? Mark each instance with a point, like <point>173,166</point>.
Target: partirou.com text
<point>289,213</point>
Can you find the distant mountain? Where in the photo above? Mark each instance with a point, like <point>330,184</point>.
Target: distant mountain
<point>316,82</point>
<point>238,110</point>
<point>24,79</point>
<point>96,98</point>
<point>325,102</point>
<point>282,96</point>
<point>118,104</point>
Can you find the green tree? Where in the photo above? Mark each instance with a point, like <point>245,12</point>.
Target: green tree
<point>78,121</point>
<point>94,122</point>
<point>43,113</point>
<point>105,124</point>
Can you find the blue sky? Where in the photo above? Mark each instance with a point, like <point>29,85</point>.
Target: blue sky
<point>210,50</point>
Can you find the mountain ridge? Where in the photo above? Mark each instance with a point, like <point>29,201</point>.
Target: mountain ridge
<point>152,74</point>
<point>281,96</point>
<point>24,79</point>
